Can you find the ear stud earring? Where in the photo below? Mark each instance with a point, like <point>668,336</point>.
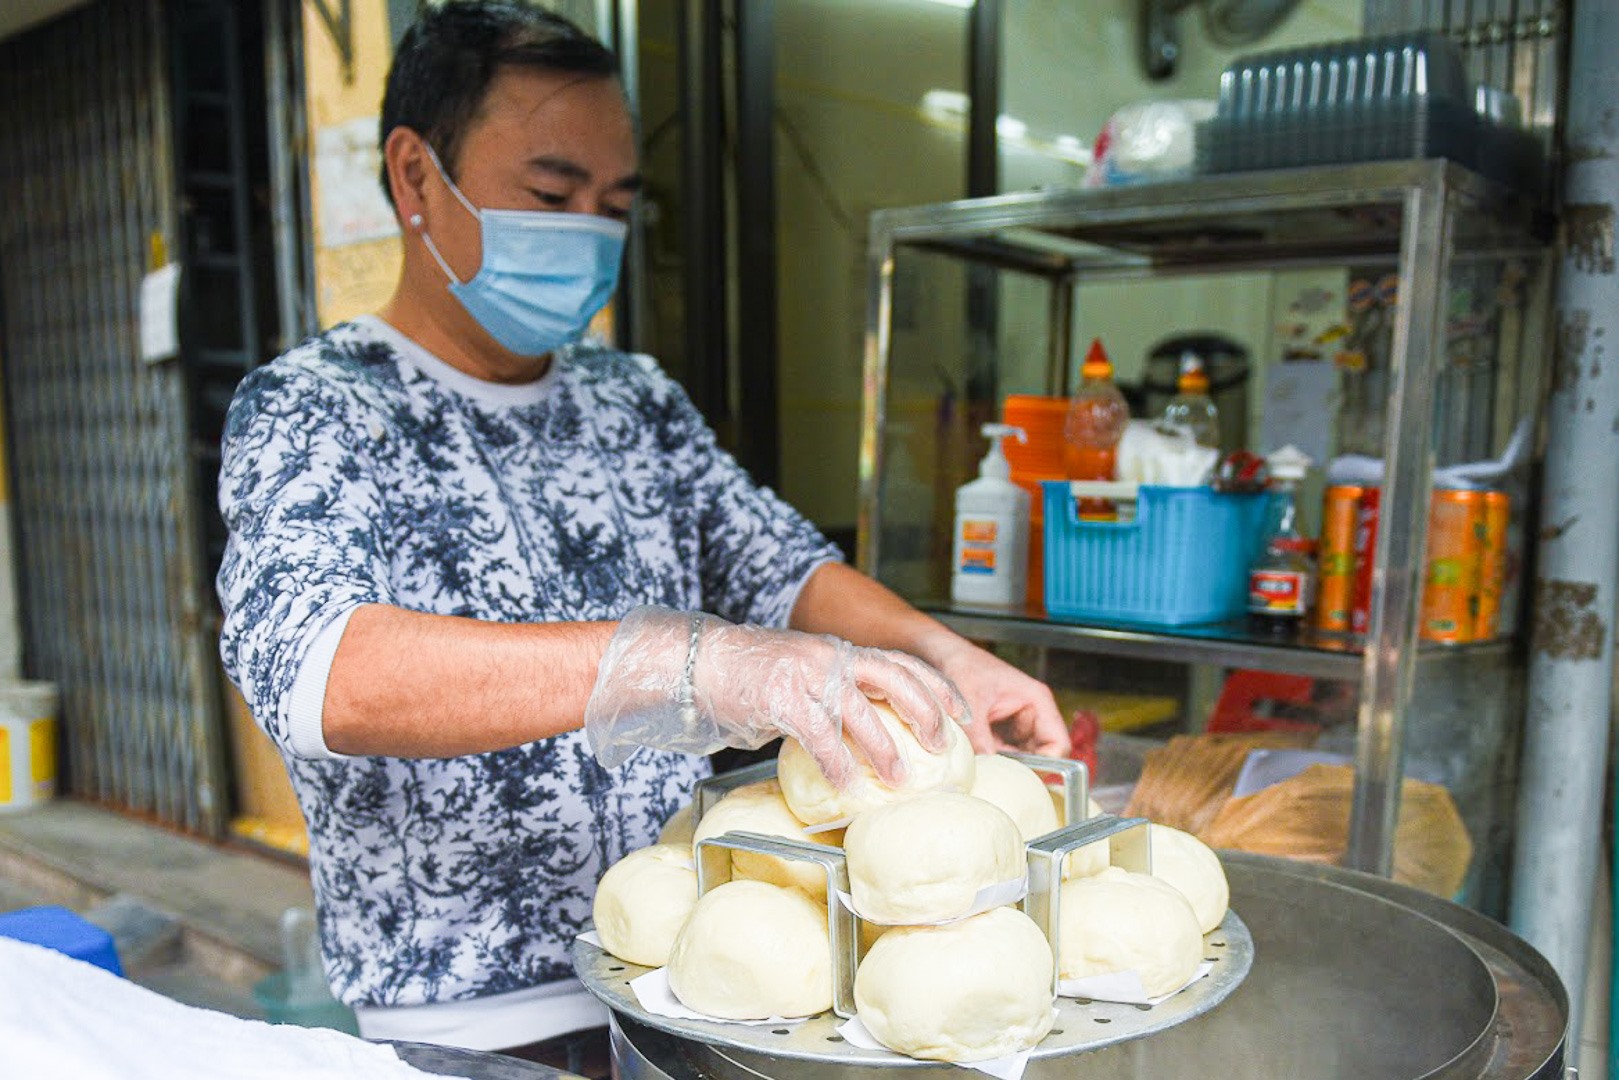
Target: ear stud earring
<point>415,221</point>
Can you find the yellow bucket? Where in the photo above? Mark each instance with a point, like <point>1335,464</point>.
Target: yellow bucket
<point>27,744</point>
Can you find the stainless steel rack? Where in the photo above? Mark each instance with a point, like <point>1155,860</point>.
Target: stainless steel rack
<point>1231,645</point>
<point>1423,217</point>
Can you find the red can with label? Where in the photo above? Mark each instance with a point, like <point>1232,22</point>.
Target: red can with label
<point>1360,610</point>
<point>1492,563</point>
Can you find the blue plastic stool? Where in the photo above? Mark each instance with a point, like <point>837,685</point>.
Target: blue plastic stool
<point>58,928</point>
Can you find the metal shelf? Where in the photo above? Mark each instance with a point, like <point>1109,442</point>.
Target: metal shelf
<point>1423,217</point>
<point>1279,217</point>
<point>1230,645</point>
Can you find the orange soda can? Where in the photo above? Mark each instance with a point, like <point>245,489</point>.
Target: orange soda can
<point>1450,580</point>
<point>1335,589</point>
<point>1492,572</point>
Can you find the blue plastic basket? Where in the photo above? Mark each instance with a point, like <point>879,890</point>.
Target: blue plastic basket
<point>1183,559</point>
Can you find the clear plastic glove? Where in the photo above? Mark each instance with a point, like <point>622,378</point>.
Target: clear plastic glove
<point>690,682</point>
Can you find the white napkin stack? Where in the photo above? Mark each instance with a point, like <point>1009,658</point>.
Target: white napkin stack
<point>1150,454</point>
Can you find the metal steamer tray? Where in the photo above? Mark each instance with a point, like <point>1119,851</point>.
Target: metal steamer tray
<point>1081,1025</point>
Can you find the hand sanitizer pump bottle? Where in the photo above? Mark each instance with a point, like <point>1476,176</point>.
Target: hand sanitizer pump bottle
<point>989,556</point>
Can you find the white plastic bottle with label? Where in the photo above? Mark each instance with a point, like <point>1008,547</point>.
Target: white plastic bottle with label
<point>989,557</point>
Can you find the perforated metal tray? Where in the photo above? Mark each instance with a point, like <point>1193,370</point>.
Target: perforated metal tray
<point>1081,1025</point>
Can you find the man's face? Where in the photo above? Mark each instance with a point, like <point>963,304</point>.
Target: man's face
<point>542,141</point>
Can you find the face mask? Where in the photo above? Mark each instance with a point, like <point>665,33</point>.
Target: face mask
<point>544,275</point>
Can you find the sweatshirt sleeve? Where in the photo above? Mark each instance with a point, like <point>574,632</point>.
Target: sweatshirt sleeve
<point>306,545</point>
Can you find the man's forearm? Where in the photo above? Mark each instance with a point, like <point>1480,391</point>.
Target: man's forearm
<point>842,601</point>
<point>406,684</point>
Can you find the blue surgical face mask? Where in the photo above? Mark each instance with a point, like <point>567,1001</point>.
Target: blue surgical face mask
<point>544,275</point>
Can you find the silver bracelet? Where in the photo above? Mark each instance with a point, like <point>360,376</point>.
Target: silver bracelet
<point>686,696</point>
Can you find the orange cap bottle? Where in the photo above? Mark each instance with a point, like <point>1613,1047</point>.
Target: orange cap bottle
<point>1097,416</point>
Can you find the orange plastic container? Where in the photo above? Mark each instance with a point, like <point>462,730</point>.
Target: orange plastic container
<point>1042,420</point>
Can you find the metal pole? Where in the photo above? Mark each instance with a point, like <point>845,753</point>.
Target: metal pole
<point>635,329</point>
<point>703,224</point>
<point>286,225</point>
<point>1060,316</point>
<point>758,440</point>
<point>1571,650</point>
<point>1391,639</point>
<point>984,90</point>
<point>984,84</point>
<point>879,342</point>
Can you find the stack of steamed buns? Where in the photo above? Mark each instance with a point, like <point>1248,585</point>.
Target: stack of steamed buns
<point>938,978</point>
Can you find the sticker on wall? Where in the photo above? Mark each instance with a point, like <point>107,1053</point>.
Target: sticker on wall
<point>349,199</point>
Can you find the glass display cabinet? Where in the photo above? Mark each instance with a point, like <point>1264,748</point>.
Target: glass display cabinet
<point>954,325</point>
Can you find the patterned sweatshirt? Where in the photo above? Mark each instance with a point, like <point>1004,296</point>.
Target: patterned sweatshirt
<point>360,469</point>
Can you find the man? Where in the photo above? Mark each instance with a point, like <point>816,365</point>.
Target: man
<point>459,537</point>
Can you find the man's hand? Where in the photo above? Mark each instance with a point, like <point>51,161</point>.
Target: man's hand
<point>1010,710</point>
<point>693,683</point>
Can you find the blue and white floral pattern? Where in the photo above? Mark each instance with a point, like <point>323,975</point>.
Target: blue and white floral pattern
<point>351,476</point>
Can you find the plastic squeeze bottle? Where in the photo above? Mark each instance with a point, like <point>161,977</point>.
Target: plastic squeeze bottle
<point>1281,585</point>
<point>1097,415</point>
<point>1191,407</point>
<point>991,547</point>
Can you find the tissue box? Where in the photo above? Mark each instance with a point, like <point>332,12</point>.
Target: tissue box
<point>1183,559</point>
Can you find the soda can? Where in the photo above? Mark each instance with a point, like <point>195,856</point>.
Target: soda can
<point>1492,572</point>
<point>1335,592</point>
<point>1366,515</point>
<point>1451,574</point>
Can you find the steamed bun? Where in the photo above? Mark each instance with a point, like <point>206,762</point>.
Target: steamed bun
<point>751,951</point>
<point>643,900</point>
<point>1016,789</point>
<point>815,801</point>
<point>1191,866</point>
<point>1120,921</point>
<point>968,991</point>
<point>1058,800</point>
<point>760,808</point>
<point>678,829</point>
<point>924,860</point>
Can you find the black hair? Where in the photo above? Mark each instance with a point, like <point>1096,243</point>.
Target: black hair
<point>448,57</point>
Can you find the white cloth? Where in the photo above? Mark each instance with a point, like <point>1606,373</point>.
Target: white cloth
<point>62,1018</point>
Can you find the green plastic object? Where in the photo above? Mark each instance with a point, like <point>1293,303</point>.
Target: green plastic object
<point>298,993</point>
<point>282,1007</point>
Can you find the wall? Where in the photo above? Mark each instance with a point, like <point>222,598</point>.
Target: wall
<point>851,78</point>
<point>850,138</point>
<point>350,278</point>
<point>1075,65</point>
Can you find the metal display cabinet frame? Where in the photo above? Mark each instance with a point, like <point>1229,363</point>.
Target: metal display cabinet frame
<point>1420,214</point>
